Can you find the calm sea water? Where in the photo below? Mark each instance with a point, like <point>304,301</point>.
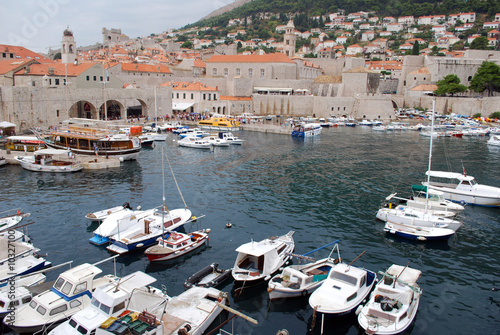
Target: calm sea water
<point>325,188</point>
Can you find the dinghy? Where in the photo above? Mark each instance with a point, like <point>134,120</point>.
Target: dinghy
<point>415,232</point>
<point>210,276</point>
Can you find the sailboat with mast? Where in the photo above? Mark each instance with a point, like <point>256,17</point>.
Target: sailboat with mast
<point>418,225</point>
<point>151,227</point>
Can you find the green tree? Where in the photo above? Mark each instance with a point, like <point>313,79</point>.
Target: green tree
<point>487,78</point>
<point>480,43</point>
<point>57,56</point>
<point>187,45</point>
<point>495,115</point>
<point>416,49</point>
<point>450,85</point>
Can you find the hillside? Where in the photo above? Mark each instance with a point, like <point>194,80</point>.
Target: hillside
<point>225,9</point>
<point>246,8</point>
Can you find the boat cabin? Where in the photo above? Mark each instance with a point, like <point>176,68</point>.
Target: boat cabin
<point>260,257</point>
<point>347,281</point>
<point>452,180</point>
<point>24,143</point>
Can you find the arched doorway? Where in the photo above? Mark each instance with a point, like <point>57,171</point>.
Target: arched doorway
<point>394,105</point>
<point>138,110</point>
<point>113,110</point>
<point>83,109</point>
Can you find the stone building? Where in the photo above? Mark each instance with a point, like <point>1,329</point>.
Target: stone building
<point>196,97</point>
<point>112,37</point>
<point>68,48</point>
<point>141,75</point>
<point>289,40</point>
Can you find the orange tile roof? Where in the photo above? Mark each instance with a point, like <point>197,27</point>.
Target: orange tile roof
<point>23,53</point>
<point>199,63</point>
<point>422,70</point>
<point>60,69</point>
<point>189,86</point>
<point>145,68</point>
<point>12,65</point>
<point>425,87</point>
<point>231,98</point>
<point>268,58</point>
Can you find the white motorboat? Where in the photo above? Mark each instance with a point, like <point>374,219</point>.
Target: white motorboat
<point>22,293</point>
<point>306,130</point>
<point>302,279</point>
<point>434,202</point>
<point>257,261</point>
<point>99,216</point>
<point>415,232</point>
<point>345,288</point>
<point>230,138</point>
<point>120,220</point>
<point>10,218</point>
<point>494,140</point>
<point>394,302</point>
<point>463,188</point>
<point>148,229</point>
<point>418,218</point>
<point>72,292</point>
<point>132,292</point>
<point>147,140</point>
<point>169,126</point>
<point>191,312</point>
<point>176,244</point>
<point>3,161</point>
<point>379,128</point>
<point>49,160</point>
<point>217,142</point>
<point>194,132</point>
<point>24,265</point>
<point>194,142</point>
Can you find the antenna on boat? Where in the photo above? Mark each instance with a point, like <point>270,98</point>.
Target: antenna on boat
<point>430,157</point>
<point>399,275</point>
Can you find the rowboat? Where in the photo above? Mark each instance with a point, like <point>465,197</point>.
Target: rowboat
<point>176,244</point>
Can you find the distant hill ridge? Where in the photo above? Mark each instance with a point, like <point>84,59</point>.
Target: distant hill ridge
<point>225,9</point>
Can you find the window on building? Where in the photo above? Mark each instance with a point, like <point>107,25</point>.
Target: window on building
<point>204,96</point>
<point>183,95</point>
<point>95,78</point>
<point>101,79</point>
<point>172,95</point>
<point>192,96</point>
<point>215,96</point>
<point>57,112</point>
<point>226,72</point>
<point>262,72</point>
<point>214,71</point>
<point>209,97</point>
<point>177,95</point>
<point>50,81</point>
<point>88,78</point>
<point>250,72</point>
<point>57,81</point>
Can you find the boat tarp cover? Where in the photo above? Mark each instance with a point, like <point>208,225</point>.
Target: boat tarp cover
<point>419,188</point>
<point>409,275</point>
<point>448,175</point>
<point>49,151</point>
<point>18,247</point>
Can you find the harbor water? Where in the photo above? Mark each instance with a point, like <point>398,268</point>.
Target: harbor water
<point>324,188</point>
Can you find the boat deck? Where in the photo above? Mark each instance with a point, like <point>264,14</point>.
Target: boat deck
<point>88,162</point>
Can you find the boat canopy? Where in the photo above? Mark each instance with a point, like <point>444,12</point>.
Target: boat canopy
<point>449,175</point>
<point>256,248</point>
<point>409,275</point>
<point>50,151</point>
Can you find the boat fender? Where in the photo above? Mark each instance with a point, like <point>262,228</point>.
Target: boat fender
<point>282,332</point>
<point>228,225</point>
<point>337,261</point>
<point>358,310</point>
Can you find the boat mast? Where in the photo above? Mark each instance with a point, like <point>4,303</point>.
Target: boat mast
<point>430,157</point>
<point>156,112</point>
<point>163,198</point>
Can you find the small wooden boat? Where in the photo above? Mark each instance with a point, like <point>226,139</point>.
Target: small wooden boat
<point>394,302</point>
<point>176,244</point>
<point>49,160</point>
<point>210,276</point>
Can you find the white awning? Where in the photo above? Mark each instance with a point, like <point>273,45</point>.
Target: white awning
<point>5,124</point>
<point>181,106</point>
<point>50,151</point>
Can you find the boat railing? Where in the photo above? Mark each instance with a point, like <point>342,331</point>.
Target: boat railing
<point>11,212</point>
<point>414,288</point>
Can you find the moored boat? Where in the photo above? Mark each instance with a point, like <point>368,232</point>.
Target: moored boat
<point>194,142</point>
<point>306,130</point>
<point>463,188</point>
<point>345,288</point>
<point>393,304</point>
<point>99,216</point>
<point>176,244</point>
<point>230,138</point>
<point>210,276</point>
<point>219,123</point>
<point>49,160</point>
<point>416,232</point>
<point>302,279</point>
<point>91,141</point>
<point>258,261</point>
<point>494,140</point>
<point>10,218</point>
<point>418,217</point>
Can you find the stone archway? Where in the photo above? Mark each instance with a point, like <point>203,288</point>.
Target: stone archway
<point>114,110</point>
<point>138,110</point>
<point>395,105</point>
<point>83,109</point>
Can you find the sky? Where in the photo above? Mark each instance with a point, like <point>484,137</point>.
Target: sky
<point>39,24</point>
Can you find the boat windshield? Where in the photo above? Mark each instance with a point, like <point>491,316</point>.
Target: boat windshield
<point>343,278</point>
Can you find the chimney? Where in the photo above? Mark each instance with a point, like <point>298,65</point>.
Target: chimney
<point>51,71</point>
<point>27,69</point>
